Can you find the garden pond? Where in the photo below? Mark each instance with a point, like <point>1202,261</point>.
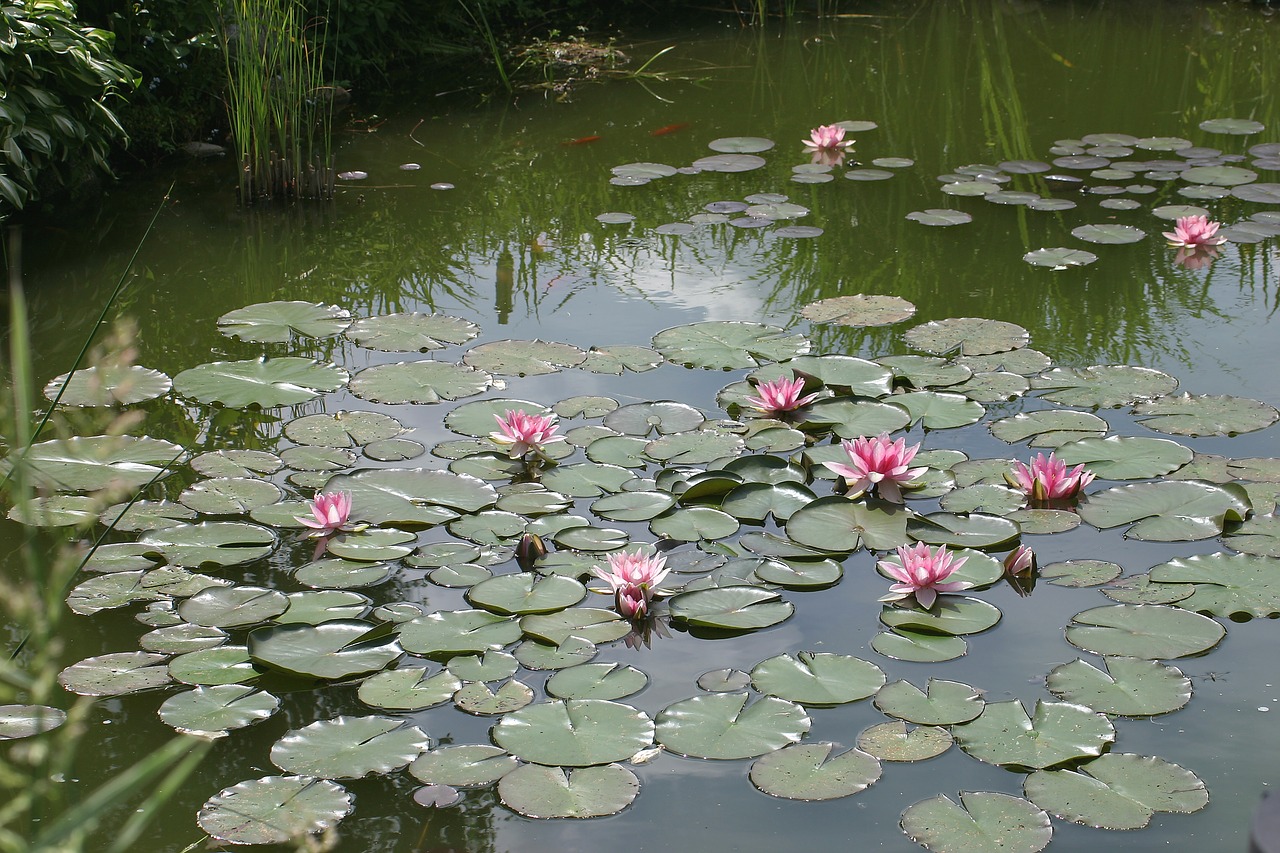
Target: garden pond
<point>982,272</point>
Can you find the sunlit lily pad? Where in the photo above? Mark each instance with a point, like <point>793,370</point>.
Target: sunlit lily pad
<point>811,678</point>
<point>419,382</point>
<point>372,545</point>
<point>593,624</point>
<point>526,593</point>
<point>1119,457</point>
<point>926,371</point>
<point>741,144</point>
<point>1234,126</point>
<point>1168,510</point>
<point>19,721</point>
<point>1056,733</point>
<point>445,634</point>
<point>348,747</point>
<point>58,511</point>
<point>966,336</point>
<point>633,506</point>
<point>809,771</point>
<point>1146,631</point>
<point>1225,584</point>
<point>115,674</point>
<point>265,383</point>
<point>217,543</point>
<point>1128,687</point>
<point>411,688</point>
<point>1260,193</point>
<point>342,429</point>
<point>838,524</point>
<point>718,345</point>
<point>274,810</point>
<point>463,766</point>
<point>942,703</point>
<point>1103,386</point>
<point>573,651</point>
<point>729,163</point>
<point>90,463</point>
<point>1117,791</point>
<point>644,171</point>
<point>893,742</point>
<point>213,711</point>
<point>335,649</point>
<point>596,681</point>
<point>1059,259</point>
<point>951,614</point>
<point>1259,535</point>
<point>724,726</point>
<point>107,592</point>
<point>108,386</point>
<point>182,638</point>
<point>230,495</point>
<point>236,463</point>
<point>412,496</point>
<point>554,792</point>
<point>523,358</point>
<point>973,530</point>
<point>411,332</point>
<point>1205,414</point>
<point>1049,427</point>
<point>1080,573</point>
<point>942,216</point>
<point>280,322</point>
<point>1110,234</point>
<point>985,821</point>
<point>940,409</point>
<point>905,644</point>
<point>1219,176</point>
<point>618,358</point>
<point>693,524</point>
<point>574,732</point>
<point>735,608</point>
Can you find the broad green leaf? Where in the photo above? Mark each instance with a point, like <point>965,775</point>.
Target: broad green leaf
<point>280,322</point>
<point>1103,386</point>
<point>549,792</point>
<point>213,711</point>
<point>1168,510</point>
<point>522,593</point>
<point>265,383</point>
<point>235,463</point>
<point>1057,733</point>
<point>573,651</point>
<point>851,417</point>
<point>616,359</point>
<point>718,345</point>
<point>411,688</point>
<point>808,771</point>
<point>115,674</point>
<point>859,309</point>
<point>592,624</point>
<point>1117,791</point>
<point>664,417</point>
<point>230,495</point>
<point>1124,457</point>
<point>421,382</point>
<point>974,530</point>
<point>966,336</point>
<point>810,678</point>
<point>1078,573</point>
<point>694,524</point>
<point>596,681</point>
<point>985,821</point>
<point>464,766</point>
<point>1259,536</point>
<point>1225,584</point>
<point>574,732</point>
<point>412,495</point>
<point>19,721</point>
<point>1129,687</point>
<point>91,463</point>
<point>1146,631</point>
<point>274,810</point>
<point>837,524</point>
<point>108,385</point>
<point>219,665</point>
<point>1205,414</point>
<point>213,543</point>
<point>951,614</point>
<point>723,725</point>
<point>944,703</point>
<point>445,634</point>
<point>332,650</point>
<point>523,358</point>
<point>411,332</point>
<point>233,606</point>
<point>735,608</point>
<point>905,644</point>
<point>1049,427</point>
<point>349,747</point>
<point>893,742</point>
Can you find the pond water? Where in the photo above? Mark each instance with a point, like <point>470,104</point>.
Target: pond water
<point>516,248</point>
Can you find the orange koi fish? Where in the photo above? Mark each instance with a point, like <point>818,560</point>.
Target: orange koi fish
<point>581,140</point>
<point>671,128</point>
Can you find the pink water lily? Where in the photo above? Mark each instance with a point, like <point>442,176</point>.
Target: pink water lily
<point>634,579</point>
<point>828,137</point>
<point>880,463</point>
<point>1192,231</point>
<point>923,573</point>
<point>781,395</point>
<point>1047,479</point>
<point>1196,257</point>
<point>1019,560</point>
<point>522,433</point>
<point>329,511</point>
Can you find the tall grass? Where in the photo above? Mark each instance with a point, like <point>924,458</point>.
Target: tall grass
<point>280,109</point>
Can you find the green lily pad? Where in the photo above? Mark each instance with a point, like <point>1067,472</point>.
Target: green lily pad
<point>216,666</point>
<point>115,674</point>
<point>349,747</point>
<point>905,644</point>
<point>800,575</point>
<point>596,681</point>
<point>724,681</point>
<point>1024,362</point>
<point>587,479</point>
<point>633,506</point>
<point>808,771</point>
<point>274,810</point>
<point>893,742</point>
<point>411,688</point>
<point>420,382</point>
<point>945,702</point>
<point>233,607</point>
<point>983,497</point>
<point>1225,584</point>
<point>554,792</point>
<point>336,573</point>
<point>1049,427</point>
<point>1129,687</point>
<point>1219,176</point>
<point>1117,791</point>
<point>810,678</point>
<point>1110,234</point>
<point>393,450</point>
<point>332,650</point>
<point>1080,573</point>
<point>734,608</point>
<point>236,463</point>
<point>926,371</point>
<point>574,732</point>
<point>1139,589</point>
<point>940,410</point>
<point>217,543</point>
<point>230,495</point>
<point>1234,126</point>
<point>107,592</point>
<point>1168,510</point>
<point>445,634</point>
<point>108,385</point>
<point>523,593</point>
<point>280,322</point>
<point>985,821</point>
<point>592,624</point>
<point>1060,258</point>
<point>724,726</point>
<point>715,345</point>
<point>1145,631</point>
<point>585,538</point>
<point>966,336</point>
<point>729,163</point>
<point>181,638</point>
<point>1058,732</point>
<point>740,144</point>
<point>523,358</point>
<point>373,545</point>
<point>940,216</point>
<point>954,615</point>
<point>91,463</point>
<point>264,383</point>
<point>694,524</point>
<point>146,515</point>
<point>664,416</point>
<point>411,332</point>
<point>463,766</point>
<point>974,530</point>
<point>412,495</point>
<point>617,359</point>
<point>542,656</point>
<point>1259,536</point>
<point>317,458</point>
<point>19,721</point>
<point>694,448</point>
<point>490,666</point>
<point>1205,414</point>
<point>837,524</point>
<point>1103,386</point>
<point>1126,457</point>
<point>213,711</point>
<point>860,309</point>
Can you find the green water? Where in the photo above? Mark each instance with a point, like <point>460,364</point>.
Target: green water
<point>515,247</point>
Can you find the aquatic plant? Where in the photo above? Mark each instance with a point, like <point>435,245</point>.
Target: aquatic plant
<point>827,137</point>
<point>329,511</point>
<point>878,463</point>
<point>633,578</point>
<point>521,433</point>
<point>780,396</point>
<point>1195,232</point>
<point>922,573</point>
<point>1047,479</point>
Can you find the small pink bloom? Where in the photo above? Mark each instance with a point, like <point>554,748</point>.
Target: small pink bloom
<point>828,137</point>
<point>923,573</point>
<point>1047,479</point>
<point>1196,257</point>
<point>1019,560</point>
<point>634,579</point>
<point>878,462</point>
<point>329,510</point>
<point>1193,231</point>
<point>781,395</point>
<point>523,433</point>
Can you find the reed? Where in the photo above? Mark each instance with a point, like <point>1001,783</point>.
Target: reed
<point>281,111</point>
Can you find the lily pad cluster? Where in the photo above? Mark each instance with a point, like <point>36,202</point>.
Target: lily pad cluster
<point>749,520</point>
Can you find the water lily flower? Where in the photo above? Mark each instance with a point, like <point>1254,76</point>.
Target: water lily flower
<point>1047,479</point>
<point>1193,231</point>
<point>922,572</point>
<point>329,512</point>
<point>781,395</point>
<point>522,433</point>
<point>828,137</point>
<point>878,462</point>
<point>1196,257</point>
<point>1019,560</point>
<point>634,579</point>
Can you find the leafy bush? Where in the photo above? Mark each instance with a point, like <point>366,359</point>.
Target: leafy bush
<point>56,79</point>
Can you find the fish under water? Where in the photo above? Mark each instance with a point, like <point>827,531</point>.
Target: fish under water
<point>582,140</point>
<point>670,128</point>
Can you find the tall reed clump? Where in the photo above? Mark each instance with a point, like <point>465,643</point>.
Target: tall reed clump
<point>280,109</point>
<point>43,725</point>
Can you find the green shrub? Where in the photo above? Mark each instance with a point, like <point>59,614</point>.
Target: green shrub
<point>56,80</point>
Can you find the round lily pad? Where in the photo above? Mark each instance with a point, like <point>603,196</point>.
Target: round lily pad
<point>1231,585</point>
<point>280,322</point>
<point>592,624</point>
<point>740,144</point>
<point>596,681</point>
<point>1128,687</point>
<point>1145,631</point>
<point>574,732</point>
<point>1056,733</point>
<point>860,309</point>
<point>724,726</point>
<point>409,688</point>
<point>1206,414</point>
<point>892,741</point>
<point>263,383</point>
<point>349,747</point>
<point>905,644</point>
<point>720,345</point>
<point>463,766</point>
<point>984,821</point>
<point>1117,791</point>
<point>523,593</point>
<point>1109,234</point>
<point>1060,258</point>
<point>729,163</point>
<point>810,678</point>
<point>1080,573</point>
<point>555,792</point>
<point>411,332</point>
<point>445,634</point>
<point>809,771</point>
<point>332,650</point>
<point>213,711</point>
<point>1103,386</point>
<point>115,674</point>
<point>940,217</point>
<point>1167,510</point>
<point>108,385</point>
<point>419,382</point>
<point>733,608</point>
<point>951,614</point>
<point>19,721</point>
<point>274,810</point>
<point>91,463</point>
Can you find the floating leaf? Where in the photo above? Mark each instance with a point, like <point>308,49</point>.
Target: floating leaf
<point>285,381</point>
<point>1049,427</point>
<point>108,385</point>
<point>411,688</point>
<point>1205,414</point>
<point>808,771</point>
<point>939,409</point>
<point>951,614</point>
<point>19,721</point>
<point>734,608</point>
<point>1117,791</point>
<point>1126,457</point>
<point>274,810</point>
<point>573,651</point>
<point>939,216</point>
<point>593,624</point>
<point>810,678</point>
<point>1129,687</point>
<point>523,358</point>
<point>728,345</point>
<point>280,322</point>
<point>986,821</point>
<point>974,530</point>
<point>1059,259</point>
<point>448,633</point>
<point>115,674</point>
<point>332,650</point>
<point>1168,510</point>
<point>617,359</point>
<point>724,726</point>
<point>348,747</point>
<point>419,382</point>
<point>904,644</point>
<point>412,496</point>
<point>1225,584</point>
<point>90,463</point>
<point>342,429</point>
<point>1080,573</point>
<point>1145,631</point>
<point>740,144</point>
<point>1259,535</point>
<point>526,593</point>
<point>1057,733</point>
<point>945,703</point>
<point>596,681</point>
<point>1235,126</point>
<point>1103,386</point>
<point>574,732</point>
<point>729,163</point>
<point>893,742</point>
<point>966,336</point>
<point>463,766</point>
<point>213,711</point>
<point>411,332</point>
<point>1108,234</point>
<point>553,792</point>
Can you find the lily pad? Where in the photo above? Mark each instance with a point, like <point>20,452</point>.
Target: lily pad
<point>859,309</point>
<point>1109,234</point>
<point>411,688</point>
<point>522,593</point>
<point>463,766</point>
<point>741,144</point>
<point>734,608</point>
<point>893,742</point>
<point>91,463</point>
<point>554,792</point>
<point>1060,258</point>
<point>274,810</point>
<point>411,332</point>
<point>445,634</point>
<point>1168,510</point>
<point>985,821</point>
<point>115,674</point>
<point>332,650</point>
<point>342,429</point>
<point>940,409</point>
<point>419,382</point>
<point>811,678</point>
<point>1117,791</point>
<point>108,385</point>
<point>1103,386</point>
<point>1049,427</point>
<point>236,463</point>
<point>945,702</point>
<point>1225,584</point>
<point>1234,126</point>
<point>1118,457</point>
<point>618,358</point>
<point>1206,414</point>
<point>1219,176</point>
<point>1145,631</point>
<point>523,358</point>
<point>943,216</point>
<point>1129,687</point>
<point>954,615</point>
<point>19,721</point>
<point>905,644</point>
<point>724,726</point>
<point>263,383</point>
<point>349,747</point>
<point>412,495</point>
<point>966,336</point>
<point>809,771</point>
<point>574,732</point>
<point>729,163</point>
<point>280,322</point>
<point>1080,573</point>
<point>718,345</point>
<point>1058,732</point>
<point>596,681</point>
<point>1259,536</point>
<point>230,495</point>
<point>213,711</point>
<point>973,530</point>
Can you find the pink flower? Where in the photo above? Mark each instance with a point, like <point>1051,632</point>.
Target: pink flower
<point>1048,479</point>
<point>781,395</point>
<point>922,573</point>
<point>1192,231</point>
<point>878,462</point>
<point>523,433</point>
<point>634,579</point>
<point>1196,257</point>
<point>329,511</point>
<point>828,137</point>
<point>1019,560</point>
